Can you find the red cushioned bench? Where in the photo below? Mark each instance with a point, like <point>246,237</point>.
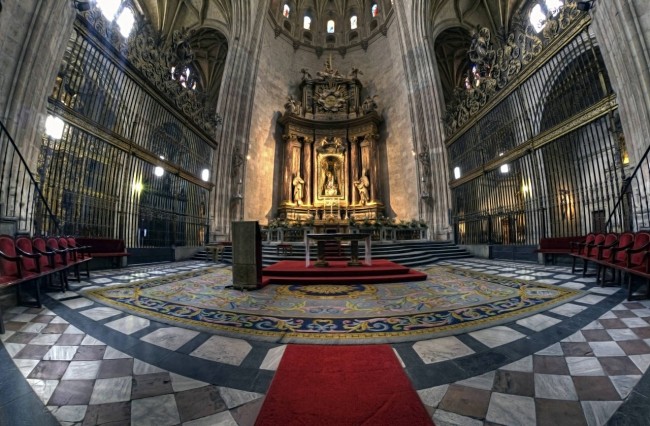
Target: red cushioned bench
<point>551,247</point>
<point>104,248</point>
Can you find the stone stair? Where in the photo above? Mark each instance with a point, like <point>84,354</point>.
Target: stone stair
<point>407,253</point>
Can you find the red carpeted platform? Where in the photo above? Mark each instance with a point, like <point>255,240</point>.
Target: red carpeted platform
<point>341,385</point>
<point>338,272</point>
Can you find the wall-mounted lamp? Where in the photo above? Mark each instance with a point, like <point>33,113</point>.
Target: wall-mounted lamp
<point>205,175</point>
<point>456,172</point>
<point>158,171</point>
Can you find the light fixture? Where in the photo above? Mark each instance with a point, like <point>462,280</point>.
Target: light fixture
<point>456,172</point>
<point>158,171</point>
<point>205,175</point>
<point>54,127</point>
<point>109,8</point>
<point>504,168</point>
<point>137,187</point>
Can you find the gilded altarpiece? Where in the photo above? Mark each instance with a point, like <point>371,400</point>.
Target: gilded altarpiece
<point>330,165</point>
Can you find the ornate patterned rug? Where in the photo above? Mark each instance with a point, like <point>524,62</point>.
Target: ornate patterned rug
<point>451,301</point>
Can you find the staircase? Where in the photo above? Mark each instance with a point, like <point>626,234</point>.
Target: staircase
<point>416,253</point>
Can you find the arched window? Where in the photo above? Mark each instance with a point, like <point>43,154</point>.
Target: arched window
<point>306,22</point>
<point>374,10</point>
<point>353,22</point>
<point>330,26</point>
<point>286,10</point>
<point>125,21</point>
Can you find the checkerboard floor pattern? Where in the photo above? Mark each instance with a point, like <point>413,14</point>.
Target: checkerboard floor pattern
<point>582,378</point>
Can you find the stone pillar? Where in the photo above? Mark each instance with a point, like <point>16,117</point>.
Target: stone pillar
<point>354,161</point>
<point>290,141</point>
<point>306,165</point>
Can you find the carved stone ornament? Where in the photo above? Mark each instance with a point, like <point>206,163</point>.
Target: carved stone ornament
<point>331,98</point>
<point>149,53</point>
<point>498,62</point>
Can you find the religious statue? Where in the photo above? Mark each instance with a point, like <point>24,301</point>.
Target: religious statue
<point>331,188</point>
<point>362,185</point>
<point>292,106</point>
<point>369,104</point>
<point>298,189</point>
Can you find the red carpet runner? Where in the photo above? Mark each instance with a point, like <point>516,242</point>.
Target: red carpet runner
<point>341,385</point>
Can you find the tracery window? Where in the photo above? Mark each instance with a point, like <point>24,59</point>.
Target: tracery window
<point>306,22</point>
<point>286,10</point>
<point>374,10</point>
<point>353,22</point>
<point>330,26</point>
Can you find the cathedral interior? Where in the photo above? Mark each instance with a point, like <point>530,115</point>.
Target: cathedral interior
<point>494,126</point>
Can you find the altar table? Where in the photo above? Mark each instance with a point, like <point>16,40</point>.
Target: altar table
<point>354,239</point>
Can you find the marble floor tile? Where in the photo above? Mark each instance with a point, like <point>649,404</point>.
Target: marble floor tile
<point>200,402</point>
<point>33,327</point>
<point>141,367</point>
<point>548,281</point>
<point>61,353</point>
<point>99,314</point>
<point>112,353</point>
<point>72,392</point>
<point>553,350</point>
<point>584,366</point>
<point>272,358</point>
<point>49,370</point>
<point>77,303</point>
<point>591,299</point>
<point>15,348</point>
<point>456,398</point>
<point>622,334</point>
<point>129,324</point>
<point>432,396</point>
<point>524,365</point>
<point>635,322</point>
<point>82,370</point>
<point>72,330</point>
<point>573,285</point>
<point>23,317</point>
<point>182,383</point>
<point>446,418</point>
<point>496,336</point>
<point>69,414</point>
<point>551,386</point>
<point>511,409</point>
<point>483,381</point>
<point>170,338</point>
<point>235,397</point>
<point>91,341</point>
<point>606,349</point>
<point>43,388</point>
<point>641,361</point>
<point>26,365</point>
<point>538,322</point>
<point>575,337</point>
<point>150,385</point>
<point>155,411</point>
<point>111,390</point>
<point>223,349</point>
<point>624,384</point>
<point>568,309</point>
<point>224,418</point>
<point>598,412</point>
<point>441,349</point>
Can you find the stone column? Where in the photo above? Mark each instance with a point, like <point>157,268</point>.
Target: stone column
<point>287,168</point>
<point>306,164</point>
<point>354,162</point>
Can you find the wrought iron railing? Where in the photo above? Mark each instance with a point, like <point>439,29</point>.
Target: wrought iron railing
<point>23,209</point>
<point>631,212</point>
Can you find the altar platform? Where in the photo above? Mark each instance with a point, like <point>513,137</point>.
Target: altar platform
<point>339,272</point>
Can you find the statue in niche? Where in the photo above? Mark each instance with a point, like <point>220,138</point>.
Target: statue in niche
<point>329,173</point>
<point>298,189</point>
<point>362,185</point>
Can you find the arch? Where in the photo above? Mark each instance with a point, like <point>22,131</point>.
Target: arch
<point>450,48</point>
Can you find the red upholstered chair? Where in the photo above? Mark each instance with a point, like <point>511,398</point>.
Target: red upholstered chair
<point>49,260</point>
<point>580,249</point>
<point>603,251</point>
<point>638,261</point>
<point>76,255</point>
<point>617,257</point>
<point>12,271</point>
<point>587,251</point>
<point>82,251</point>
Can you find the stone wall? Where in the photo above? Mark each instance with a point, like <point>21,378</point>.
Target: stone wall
<point>279,75</point>
<point>622,28</point>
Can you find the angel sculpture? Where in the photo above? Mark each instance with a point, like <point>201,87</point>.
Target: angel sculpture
<point>355,72</point>
<point>305,74</point>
